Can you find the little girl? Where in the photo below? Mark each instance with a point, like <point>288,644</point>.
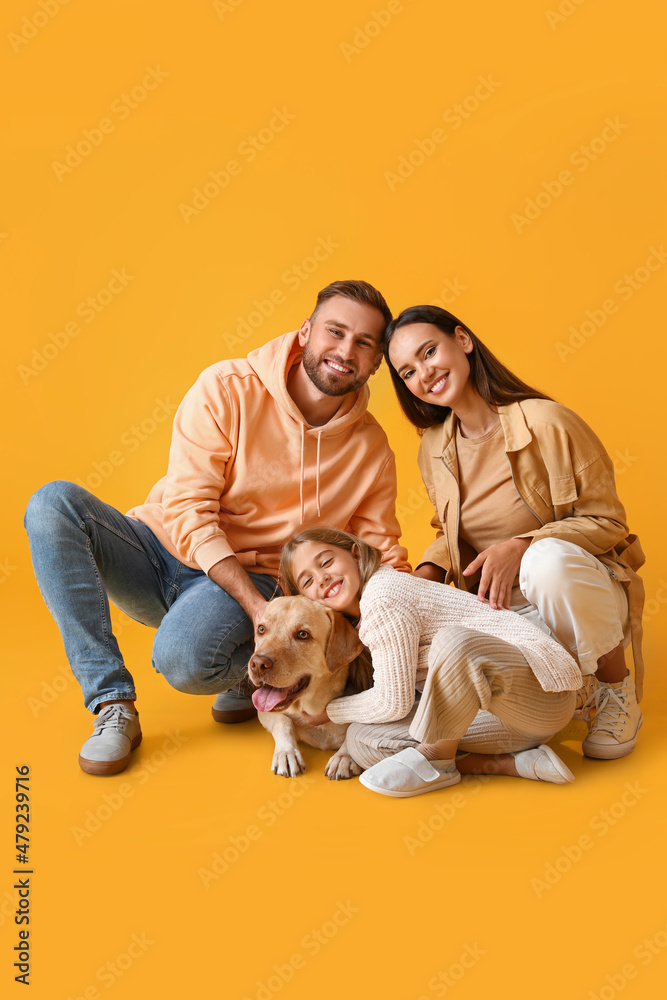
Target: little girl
<point>491,683</point>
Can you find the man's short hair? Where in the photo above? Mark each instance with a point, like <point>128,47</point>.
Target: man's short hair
<point>360,291</point>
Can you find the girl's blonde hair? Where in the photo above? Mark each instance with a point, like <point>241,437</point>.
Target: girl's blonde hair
<point>369,557</point>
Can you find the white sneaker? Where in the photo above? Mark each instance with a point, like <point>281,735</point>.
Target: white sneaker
<point>542,764</point>
<point>409,773</point>
<point>117,733</point>
<point>615,720</point>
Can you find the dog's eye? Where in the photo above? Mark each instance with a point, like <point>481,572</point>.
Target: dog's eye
<point>261,630</point>
<point>302,634</point>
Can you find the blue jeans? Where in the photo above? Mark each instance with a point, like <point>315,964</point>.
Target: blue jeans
<point>85,552</point>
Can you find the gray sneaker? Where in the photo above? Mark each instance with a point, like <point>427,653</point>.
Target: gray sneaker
<point>117,733</point>
<point>235,705</point>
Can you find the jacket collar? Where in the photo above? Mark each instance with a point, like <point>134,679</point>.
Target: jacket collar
<point>513,421</point>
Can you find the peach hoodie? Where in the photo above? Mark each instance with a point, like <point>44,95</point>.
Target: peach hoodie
<point>246,471</point>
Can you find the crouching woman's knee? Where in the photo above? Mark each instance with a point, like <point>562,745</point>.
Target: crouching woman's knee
<point>546,566</point>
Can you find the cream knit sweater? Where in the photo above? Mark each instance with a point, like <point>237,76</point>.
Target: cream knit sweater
<point>400,615</point>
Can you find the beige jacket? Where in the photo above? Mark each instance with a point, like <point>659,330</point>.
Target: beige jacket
<point>565,477</point>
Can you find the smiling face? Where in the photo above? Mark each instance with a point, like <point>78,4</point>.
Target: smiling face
<point>341,345</point>
<point>328,574</point>
<point>433,365</point>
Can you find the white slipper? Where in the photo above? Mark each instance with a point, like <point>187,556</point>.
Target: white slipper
<point>409,773</point>
<point>542,764</point>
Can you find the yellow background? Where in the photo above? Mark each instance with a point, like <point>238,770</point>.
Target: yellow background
<point>394,917</point>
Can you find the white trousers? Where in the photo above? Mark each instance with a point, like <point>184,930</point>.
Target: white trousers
<point>574,598</point>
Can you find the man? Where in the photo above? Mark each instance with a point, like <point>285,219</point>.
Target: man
<point>260,447</point>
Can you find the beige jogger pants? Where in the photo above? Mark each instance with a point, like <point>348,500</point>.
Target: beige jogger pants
<point>479,690</point>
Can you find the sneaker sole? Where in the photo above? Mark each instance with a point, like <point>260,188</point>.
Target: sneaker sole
<point>432,786</point>
<point>229,717</point>
<point>102,767</point>
<point>606,751</point>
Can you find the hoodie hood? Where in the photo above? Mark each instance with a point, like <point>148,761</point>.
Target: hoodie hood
<point>272,362</point>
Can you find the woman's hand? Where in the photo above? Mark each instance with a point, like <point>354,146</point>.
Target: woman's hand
<point>315,720</point>
<point>500,565</point>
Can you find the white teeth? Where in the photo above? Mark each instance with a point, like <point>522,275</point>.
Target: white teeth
<point>439,384</point>
<point>339,368</point>
<point>333,591</point>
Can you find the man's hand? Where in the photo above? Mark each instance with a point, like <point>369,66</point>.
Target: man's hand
<point>230,575</point>
<point>429,571</point>
<point>500,565</point>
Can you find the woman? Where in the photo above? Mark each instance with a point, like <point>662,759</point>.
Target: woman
<point>493,683</point>
<point>526,509</point>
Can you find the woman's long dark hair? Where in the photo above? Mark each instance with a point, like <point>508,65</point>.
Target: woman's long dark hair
<point>495,383</point>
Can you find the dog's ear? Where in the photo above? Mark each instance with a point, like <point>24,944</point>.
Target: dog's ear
<point>360,676</point>
<point>344,643</point>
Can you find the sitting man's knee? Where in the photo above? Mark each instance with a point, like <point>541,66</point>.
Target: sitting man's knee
<point>194,667</point>
<point>53,497</point>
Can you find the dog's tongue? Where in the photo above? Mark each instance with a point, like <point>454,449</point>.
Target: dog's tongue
<point>266,698</point>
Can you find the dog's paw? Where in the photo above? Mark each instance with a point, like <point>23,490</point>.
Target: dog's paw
<point>288,763</point>
<point>341,766</point>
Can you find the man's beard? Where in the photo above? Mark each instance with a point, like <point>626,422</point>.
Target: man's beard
<point>327,382</point>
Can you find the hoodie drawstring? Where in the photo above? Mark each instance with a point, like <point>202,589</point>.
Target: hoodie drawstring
<point>317,472</point>
<point>303,441</point>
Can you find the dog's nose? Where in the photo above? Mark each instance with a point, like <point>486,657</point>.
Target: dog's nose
<point>259,664</point>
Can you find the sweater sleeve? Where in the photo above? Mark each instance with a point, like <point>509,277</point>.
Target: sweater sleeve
<point>375,521</point>
<point>392,636</point>
<point>201,446</point>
